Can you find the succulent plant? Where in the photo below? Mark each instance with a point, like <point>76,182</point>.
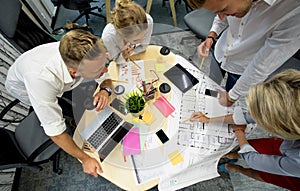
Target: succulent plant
<point>134,102</point>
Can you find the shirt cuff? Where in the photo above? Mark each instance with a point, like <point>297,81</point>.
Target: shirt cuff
<point>238,116</point>
<point>233,95</point>
<point>246,148</point>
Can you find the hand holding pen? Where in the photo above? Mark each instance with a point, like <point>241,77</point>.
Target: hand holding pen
<point>199,117</point>
<point>128,49</point>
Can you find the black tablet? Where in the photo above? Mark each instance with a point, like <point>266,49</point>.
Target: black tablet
<point>181,78</point>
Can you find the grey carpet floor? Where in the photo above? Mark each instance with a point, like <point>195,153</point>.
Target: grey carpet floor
<point>73,178</point>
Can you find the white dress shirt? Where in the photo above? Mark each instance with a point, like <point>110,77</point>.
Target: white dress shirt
<point>37,78</point>
<point>257,44</point>
<point>114,43</point>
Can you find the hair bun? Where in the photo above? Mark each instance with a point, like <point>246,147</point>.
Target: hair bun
<point>122,3</point>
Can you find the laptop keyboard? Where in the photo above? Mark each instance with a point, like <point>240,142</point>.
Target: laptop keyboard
<point>107,127</point>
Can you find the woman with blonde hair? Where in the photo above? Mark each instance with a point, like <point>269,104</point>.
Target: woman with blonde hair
<point>129,32</point>
<point>275,106</point>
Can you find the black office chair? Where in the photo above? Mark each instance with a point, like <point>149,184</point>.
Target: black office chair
<point>28,145</point>
<point>18,28</point>
<point>199,22</point>
<point>83,6</point>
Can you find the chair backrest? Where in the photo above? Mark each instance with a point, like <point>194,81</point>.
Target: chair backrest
<point>76,4</point>
<point>18,27</point>
<point>199,22</point>
<point>33,141</point>
<point>9,11</point>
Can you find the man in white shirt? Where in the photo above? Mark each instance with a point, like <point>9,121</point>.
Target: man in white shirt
<point>41,75</point>
<point>258,37</point>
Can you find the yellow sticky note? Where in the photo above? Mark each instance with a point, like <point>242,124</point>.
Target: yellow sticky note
<point>148,118</point>
<point>136,120</point>
<point>160,67</point>
<point>175,157</point>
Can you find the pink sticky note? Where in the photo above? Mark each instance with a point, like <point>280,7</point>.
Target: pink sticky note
<point>131,142</point>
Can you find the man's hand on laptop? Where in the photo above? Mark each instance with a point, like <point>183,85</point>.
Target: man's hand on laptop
<point>101,100</point>
<point>91,166</point>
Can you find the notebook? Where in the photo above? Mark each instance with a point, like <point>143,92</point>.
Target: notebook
<point>105,132</point>
<point>164,106</point>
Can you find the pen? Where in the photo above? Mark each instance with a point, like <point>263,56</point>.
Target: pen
<point>134,62</point>
<point>119,81</point>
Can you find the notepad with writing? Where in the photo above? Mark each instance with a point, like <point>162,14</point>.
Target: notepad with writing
<point>164,106</point>
<point>131,142</point>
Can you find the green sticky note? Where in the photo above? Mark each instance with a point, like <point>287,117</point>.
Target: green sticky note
<point>160,67</point>
<point>143,129</point>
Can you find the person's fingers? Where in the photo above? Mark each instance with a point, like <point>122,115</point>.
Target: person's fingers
<point>95,174</point>
<point>96,99</point>
<point>195,114</point>
<point>203,49</point>
<point>99,168</point>
<point>102,103</point>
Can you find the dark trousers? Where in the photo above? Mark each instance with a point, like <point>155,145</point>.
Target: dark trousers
<point>217,74</point>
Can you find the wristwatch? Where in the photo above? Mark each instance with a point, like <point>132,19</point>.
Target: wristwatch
<point>107,89</point>
<point>230,99</point>
<point>213,38</point>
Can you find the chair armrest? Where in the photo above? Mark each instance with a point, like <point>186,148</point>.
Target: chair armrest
<point>6,109</point>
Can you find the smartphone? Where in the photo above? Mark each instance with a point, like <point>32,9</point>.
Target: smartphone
<point>211,93</point>
<point>119,106</point>
<point>162,136</point>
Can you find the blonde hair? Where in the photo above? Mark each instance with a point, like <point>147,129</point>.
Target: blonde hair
<point>196,4</point>
<point>129,18</point>
<point>275,104</point>
<point>77,45</point>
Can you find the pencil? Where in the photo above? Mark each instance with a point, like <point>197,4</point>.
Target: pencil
<point>134,62</point>
<point>119,81</point>
<point>198,116</point>
<point>202,61</point>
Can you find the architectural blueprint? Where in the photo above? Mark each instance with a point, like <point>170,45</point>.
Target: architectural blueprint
<point>202,145</point>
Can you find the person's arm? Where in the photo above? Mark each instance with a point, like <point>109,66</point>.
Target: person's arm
<point>278,48</point>
<point>281,165</point>
<point>89,164</point>
<point>217,28</point>
<point>199,117</point>
<point>45,105</point>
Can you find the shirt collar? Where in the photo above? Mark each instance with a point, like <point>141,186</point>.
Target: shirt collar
<point>67,76</point>
<point>270,2</point>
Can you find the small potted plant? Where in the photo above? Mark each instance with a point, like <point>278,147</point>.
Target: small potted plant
<point>134,102</point>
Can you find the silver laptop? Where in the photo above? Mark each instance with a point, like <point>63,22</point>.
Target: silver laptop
<point>105,132</point>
